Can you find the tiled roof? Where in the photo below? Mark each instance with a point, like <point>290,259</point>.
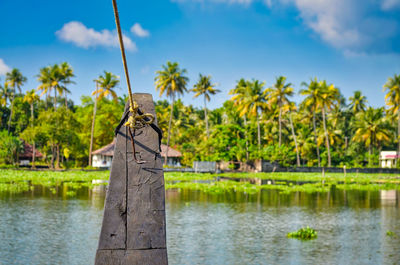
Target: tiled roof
<point>171,151</point>
<point>108,150</point>
<point>28,150</point>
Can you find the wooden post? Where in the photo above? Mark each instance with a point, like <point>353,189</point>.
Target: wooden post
<point>133,230</point>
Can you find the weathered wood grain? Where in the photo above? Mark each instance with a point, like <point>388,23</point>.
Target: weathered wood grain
<point>133,228</point>
<point>131,257</point>
<point>113,230</point>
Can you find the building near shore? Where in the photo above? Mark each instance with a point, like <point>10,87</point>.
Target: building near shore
<point>102,157</point>
<point>26,157</point>
<point>388,159</point>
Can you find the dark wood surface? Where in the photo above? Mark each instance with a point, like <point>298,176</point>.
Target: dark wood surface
<point>133,230</point>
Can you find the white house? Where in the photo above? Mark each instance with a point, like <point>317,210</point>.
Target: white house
<point>102,157</point>
<point>388,159</point>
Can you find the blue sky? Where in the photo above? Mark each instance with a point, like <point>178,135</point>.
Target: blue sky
<point>354,44</point>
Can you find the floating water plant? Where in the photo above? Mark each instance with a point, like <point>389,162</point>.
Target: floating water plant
<point>390,233</point>
<point>306,233</point>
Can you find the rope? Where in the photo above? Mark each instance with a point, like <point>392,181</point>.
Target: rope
<point>121,44</point>
<point>136,119</point>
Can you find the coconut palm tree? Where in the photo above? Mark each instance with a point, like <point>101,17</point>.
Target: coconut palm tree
<point>172,81</point>
<point>311,103</point>
<point>250,98</point>
<point>55,77</point>
<point>3,95</point>
<point>358,102</point>
<point>30,97</point>
<point>373,128</point>
<point>56,82</point>
<point>44,78</point>
<point>206,88</point>
<point>240,93</point>
<point>392,99</point>
<point>105,85</point>
<point>291,107</point>
<point>278,94</point>
<point>326,100</point>
<point>15,79</point>
<point>67,73</point>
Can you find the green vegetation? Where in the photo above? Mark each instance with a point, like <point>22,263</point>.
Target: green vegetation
<point>16,181</point>
<point>306,233</point>
<point>259,121</point>
<point>390,233</point>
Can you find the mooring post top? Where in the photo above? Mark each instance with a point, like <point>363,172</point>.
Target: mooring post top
<point>133,230</point>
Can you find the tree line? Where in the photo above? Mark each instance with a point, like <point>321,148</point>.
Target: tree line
<point>257,121</point>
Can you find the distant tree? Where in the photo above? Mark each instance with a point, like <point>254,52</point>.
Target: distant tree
<point>373,128</point>
<point>327,98</point>
<point>249,98</point>
<point>172,81</point>
<point>107,83</point>
<point>31,98</point>
<point>311,102</point>
<point>392,98</point>
<point>10,147</point>
<point>279,94</point>
<point>291,107</point>
<point>15,79</point>
<point>357,102</point>
<point>206,88</point>
<point>67,73</point>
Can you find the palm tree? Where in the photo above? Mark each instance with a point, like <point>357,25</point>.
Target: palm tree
<point>30,98</point>
<point>15,79</point>
<point>172,81</point>
<point>357,102</point>
<point>240,93</point>
<point>328,96</point>
<point>3,96</point>
<point>5,93</point>
<point>291,107</point>
<point>55,77</point>
<point>56,82</point>
<point>372,128</point>
<point>278,94</point>
<point>249,97</point>
<point>392,98</point>
<point>67,73</point>
<point>311,101</point>
<point>44,77</point>
<point>107,83</point>
<point>204,87</point>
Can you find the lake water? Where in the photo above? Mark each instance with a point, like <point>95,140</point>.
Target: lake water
<point>233,228</point>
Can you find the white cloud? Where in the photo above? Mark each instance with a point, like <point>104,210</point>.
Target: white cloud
<point>349,25</point>
<point>77,33</point>
<point>353,26</point>
<point>3,67</point>
<point>334,20</point>
<point>139,31</point>
<point>388,5</point>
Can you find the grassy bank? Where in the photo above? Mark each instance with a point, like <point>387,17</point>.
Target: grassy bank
<point>16,181</point>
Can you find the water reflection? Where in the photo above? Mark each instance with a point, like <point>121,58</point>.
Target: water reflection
<point>45,226</point>
<point>235,228</point>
